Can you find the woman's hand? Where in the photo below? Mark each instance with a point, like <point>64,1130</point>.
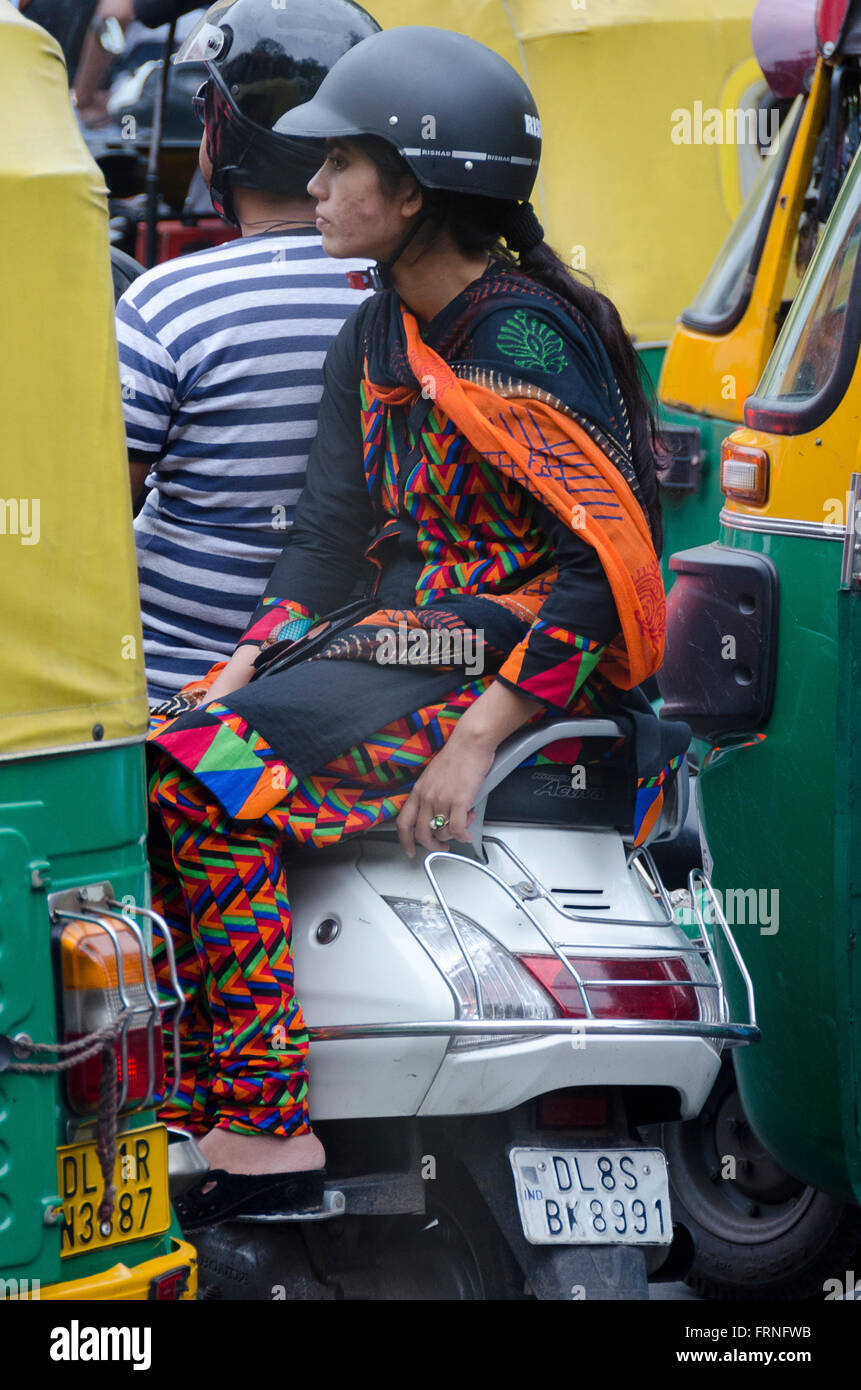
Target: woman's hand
<point>451,781</point>
<point>447,787</point>
<point>236,674</point>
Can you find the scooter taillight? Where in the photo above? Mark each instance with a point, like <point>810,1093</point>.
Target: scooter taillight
<point>105,972</point>
<point>619,988</point>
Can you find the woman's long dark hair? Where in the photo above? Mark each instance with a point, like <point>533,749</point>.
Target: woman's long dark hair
<point>477,224</point>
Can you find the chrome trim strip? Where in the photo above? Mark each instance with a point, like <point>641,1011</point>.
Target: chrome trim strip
<point>850,569</point>
<point>610,1027</point>
<point>72,748</point>
<point>781,526</point>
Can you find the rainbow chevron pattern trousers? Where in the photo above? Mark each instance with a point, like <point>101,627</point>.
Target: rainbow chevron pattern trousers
<point>220,885</point>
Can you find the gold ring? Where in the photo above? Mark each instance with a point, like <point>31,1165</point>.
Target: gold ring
<point>439,822</point>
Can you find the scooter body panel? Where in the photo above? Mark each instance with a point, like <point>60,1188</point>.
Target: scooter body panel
<point>375,971</point>
<point>372,971</point>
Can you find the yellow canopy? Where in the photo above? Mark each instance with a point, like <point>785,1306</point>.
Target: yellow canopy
<point>71,640</point>
<point>619,198</point>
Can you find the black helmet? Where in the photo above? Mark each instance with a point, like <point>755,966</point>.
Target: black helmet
<point>461,116</point>
<point>263,58</point>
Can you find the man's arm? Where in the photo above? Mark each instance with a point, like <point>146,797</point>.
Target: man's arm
<point>96,60</point>
<point>149,387</point>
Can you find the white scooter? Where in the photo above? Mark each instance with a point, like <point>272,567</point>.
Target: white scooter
<point>489,1028</point>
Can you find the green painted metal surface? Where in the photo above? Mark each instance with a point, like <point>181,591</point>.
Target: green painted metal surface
<point>847,876</point>
<point>767,808</point>
<point>73,819</point>
<point>691,518</point>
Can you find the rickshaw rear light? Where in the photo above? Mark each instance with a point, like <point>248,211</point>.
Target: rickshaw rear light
<point>830,20</point>
<point>619,988</point>
<point>744,473</point>
<point>169,1287</point>
<point>93,999</point>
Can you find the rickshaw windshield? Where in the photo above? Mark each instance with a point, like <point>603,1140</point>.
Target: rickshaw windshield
<point>815,354</point>
<point>723,297</point>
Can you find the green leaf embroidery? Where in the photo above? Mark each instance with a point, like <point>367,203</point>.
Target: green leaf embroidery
<point>532,344</point>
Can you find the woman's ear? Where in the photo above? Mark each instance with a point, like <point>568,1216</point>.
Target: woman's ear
<point>412,200</point>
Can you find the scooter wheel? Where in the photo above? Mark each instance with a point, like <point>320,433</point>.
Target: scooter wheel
<point>461,1236</point>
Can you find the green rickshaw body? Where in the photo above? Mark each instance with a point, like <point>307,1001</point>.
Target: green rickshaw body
<point>763,658</point>
<point>73,707</point>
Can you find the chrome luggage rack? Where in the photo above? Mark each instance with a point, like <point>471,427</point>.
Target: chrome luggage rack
<point>96,903</point>
<point>722,1028</point>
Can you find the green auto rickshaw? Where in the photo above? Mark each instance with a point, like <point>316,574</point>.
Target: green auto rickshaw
<point>80,1018</point>
<point>763,660</point>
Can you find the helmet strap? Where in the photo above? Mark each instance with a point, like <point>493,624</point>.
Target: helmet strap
<point>385,268</point>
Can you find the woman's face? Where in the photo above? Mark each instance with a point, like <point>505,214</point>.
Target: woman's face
<point>354,215</point>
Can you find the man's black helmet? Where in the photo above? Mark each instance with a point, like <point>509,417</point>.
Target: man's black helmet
<point>262,58</point>
<point>461,116</point>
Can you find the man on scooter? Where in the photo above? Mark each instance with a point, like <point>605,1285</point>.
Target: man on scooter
<point>221,352</point>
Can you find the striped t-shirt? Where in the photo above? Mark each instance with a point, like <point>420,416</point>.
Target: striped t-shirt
<point>221,356</point>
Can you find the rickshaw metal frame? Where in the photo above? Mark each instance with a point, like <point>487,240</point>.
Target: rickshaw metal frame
<point>72,905</point>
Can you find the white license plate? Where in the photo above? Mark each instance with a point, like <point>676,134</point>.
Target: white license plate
<point>593,1196</point>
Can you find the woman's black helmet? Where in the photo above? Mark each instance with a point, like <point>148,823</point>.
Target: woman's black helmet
<point>461,116</point>
<point>263,57</point>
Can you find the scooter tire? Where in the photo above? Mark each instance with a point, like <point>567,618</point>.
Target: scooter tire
<point>457,1204</point>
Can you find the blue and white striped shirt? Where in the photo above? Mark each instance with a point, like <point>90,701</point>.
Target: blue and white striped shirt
<point>221,356</point>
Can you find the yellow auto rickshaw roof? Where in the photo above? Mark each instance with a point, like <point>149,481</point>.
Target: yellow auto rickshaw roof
<point>72,670</point>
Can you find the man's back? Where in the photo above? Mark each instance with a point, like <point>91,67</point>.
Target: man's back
<point>221,356</point>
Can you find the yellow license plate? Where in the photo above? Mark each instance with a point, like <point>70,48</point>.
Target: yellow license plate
<point>141,1207</point>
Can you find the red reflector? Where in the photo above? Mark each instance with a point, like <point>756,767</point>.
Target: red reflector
<point>830,19</point>
<point>167,1288</point>
<point>360,279</point>
<point>656,997</point>
<point>83,1080</point>
<point>573,1109</point>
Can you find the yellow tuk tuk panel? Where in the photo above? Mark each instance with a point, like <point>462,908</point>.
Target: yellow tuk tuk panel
<point>73,673</point>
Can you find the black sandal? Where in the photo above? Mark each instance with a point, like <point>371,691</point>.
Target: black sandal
<point>248,1194</point>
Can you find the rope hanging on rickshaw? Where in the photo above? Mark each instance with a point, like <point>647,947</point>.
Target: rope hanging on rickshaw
<point>71,1055</point>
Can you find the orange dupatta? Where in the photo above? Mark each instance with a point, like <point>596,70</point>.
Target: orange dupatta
<point>525,440</point>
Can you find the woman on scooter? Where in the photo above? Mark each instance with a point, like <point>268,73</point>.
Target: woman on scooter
<point>484,475</point>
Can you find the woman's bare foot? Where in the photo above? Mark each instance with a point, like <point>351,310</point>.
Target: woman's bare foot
<point>261,1153</point>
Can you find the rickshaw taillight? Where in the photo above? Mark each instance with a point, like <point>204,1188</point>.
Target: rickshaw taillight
<point>744,473</point>
<point>830,20</point>
<point>105,971</point>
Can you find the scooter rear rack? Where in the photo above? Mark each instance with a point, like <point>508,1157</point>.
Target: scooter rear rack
<point>720,1027</point>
